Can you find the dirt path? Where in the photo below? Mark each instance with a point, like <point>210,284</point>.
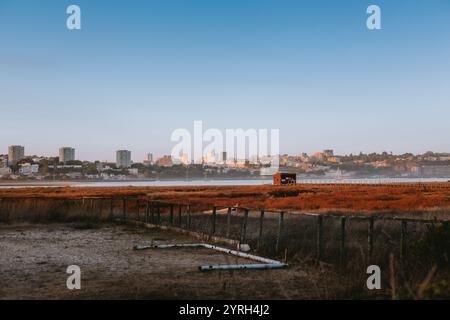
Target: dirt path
<point>34,258</point>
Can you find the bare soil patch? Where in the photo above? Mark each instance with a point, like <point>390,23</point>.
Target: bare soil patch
<point>34,258</point>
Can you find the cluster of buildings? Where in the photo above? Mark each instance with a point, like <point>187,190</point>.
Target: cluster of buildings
<point>15,154</point>
<point>15,165</point>
<point>329,165</point>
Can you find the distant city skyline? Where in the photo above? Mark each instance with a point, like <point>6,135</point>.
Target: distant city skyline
<point>137,71</point>
<point>123,158</point>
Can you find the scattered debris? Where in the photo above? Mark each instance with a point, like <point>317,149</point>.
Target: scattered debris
<point>244,247</point>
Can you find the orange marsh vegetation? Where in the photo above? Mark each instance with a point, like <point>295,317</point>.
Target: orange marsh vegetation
<point>308,197</point>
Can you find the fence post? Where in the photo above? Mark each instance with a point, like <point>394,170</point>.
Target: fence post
<point>171,214</point>
<point>228,221</point>
<point>152,211</point>
<point>403,240</point>
<point>101,209</point>
<point>137,210</point>
<point>261,220</point>
<point>34,206</point>
<point>342,246</point>
<point>147,211</point>
<point>370,238</point>
<point>158,213</point>
<point>280,229</point>
<point>125,209</point>
<point>11,209</point>
<point>111,214</point>
<point>39,211</point>
<point>179,215</point>
<point>319,236</point>
<point>244,227</point>
<point>188,216</point>
<point>213,221</point>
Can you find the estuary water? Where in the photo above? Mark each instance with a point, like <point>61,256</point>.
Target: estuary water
<point>205,182</point>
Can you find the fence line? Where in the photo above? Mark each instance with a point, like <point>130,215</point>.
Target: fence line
<point>181,215</point>
<point>344,219</point>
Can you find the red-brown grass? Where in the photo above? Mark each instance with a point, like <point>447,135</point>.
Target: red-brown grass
<point>323,198</point>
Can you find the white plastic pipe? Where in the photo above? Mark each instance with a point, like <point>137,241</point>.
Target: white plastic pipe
<point>266,263</point>
<point>243,266</point>
<point>242,254</point>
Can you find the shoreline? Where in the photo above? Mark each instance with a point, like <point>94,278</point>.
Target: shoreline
<point>207,182</point>
<point>75,183</point>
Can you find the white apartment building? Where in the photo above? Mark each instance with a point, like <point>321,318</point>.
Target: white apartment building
<point>27,169</point>
<point>5,171</point>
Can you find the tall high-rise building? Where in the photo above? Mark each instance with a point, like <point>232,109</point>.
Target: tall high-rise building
<point>66,154</point>
<point>15,154</point>
<point>148,161</point>
<point>123,159</point>
<point>224,157</point>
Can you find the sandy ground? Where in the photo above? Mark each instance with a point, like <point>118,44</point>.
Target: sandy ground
<point>34,258</point>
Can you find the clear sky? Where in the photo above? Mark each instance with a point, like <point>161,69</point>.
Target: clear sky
<point>140,69</point>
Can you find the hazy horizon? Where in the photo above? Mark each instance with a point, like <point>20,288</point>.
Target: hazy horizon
<point>136,158</point>
<point>137,71</point>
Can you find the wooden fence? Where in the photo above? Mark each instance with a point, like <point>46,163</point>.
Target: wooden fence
<point>269,228</point>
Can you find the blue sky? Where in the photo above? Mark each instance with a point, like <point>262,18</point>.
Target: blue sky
<point>140,69</point>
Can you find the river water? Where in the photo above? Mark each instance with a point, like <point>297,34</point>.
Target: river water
<point>178,183</point>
